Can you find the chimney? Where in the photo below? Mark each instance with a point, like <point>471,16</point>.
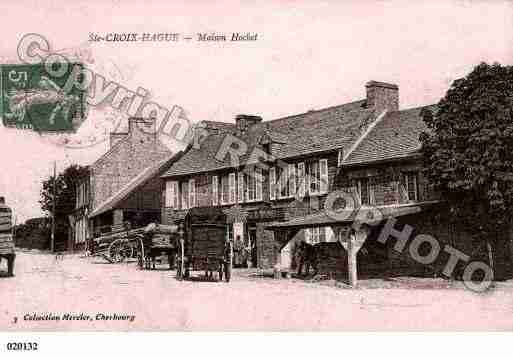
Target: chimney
<point>115,137</point>
<point>146,125</point>
<point>2,200</point>
<point>382,96</point>
<point>244,122</point>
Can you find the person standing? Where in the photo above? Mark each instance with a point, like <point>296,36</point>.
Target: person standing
<point>6,237</point>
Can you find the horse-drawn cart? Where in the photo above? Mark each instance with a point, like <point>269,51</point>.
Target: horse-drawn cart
<point>145,244</point>
<point>204,245</point>
<point>157,240</point>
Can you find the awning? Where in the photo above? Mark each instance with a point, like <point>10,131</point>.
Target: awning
<point>136,182</point>
<point>369,215</point>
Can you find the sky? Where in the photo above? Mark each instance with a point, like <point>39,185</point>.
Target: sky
<point>308,55</point>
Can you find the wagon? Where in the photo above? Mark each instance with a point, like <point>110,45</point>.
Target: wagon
<point>144,243</point>
<point>204,244</point>
<point>157,240</point>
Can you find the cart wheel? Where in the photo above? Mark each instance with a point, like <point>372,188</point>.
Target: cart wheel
<point>227,272</point>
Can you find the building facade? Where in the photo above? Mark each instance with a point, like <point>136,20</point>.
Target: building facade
<point>276,179</point>
<point>264,172</point>
<point>124,184</point>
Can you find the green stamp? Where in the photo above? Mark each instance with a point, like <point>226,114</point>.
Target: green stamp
<point>36,97</point>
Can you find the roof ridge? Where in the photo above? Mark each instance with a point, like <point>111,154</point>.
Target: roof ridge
<point>364,135</point>
<point>312,111</point>
<point>416,108</point>
<point>145,175</point>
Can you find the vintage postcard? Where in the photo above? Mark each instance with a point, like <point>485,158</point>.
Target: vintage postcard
<point>242,166</point>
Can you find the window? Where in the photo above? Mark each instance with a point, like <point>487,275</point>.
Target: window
<point>313,235</point>
<point>215,190</point>
<point>224,190</point>
<point>192,193</point>
<point>232,188</point>
<point>253,184</point>
<point>240,187</point>
<point>301,180</point>
<point>318,177</point>
<point>172,194</point>
<point>410,181</point>
<point>185,195</point>
<point>250,187</point>
<point>259,180</point>
<point>272,183</point>
<point>363,191</point>
<point>313,177</point>
<point>323,170</point>
<point>292,179</point>
<point>287,181</point>
<point>283,177</point>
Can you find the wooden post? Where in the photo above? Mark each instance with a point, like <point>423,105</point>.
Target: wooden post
<point>182,251</point>
<point>54,199</point>
<point>352,267</point>
<point>352,244</point>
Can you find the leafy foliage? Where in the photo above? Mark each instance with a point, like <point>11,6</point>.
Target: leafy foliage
<point>34,233</point>
<point>66,184</point>
<point>468,150</point>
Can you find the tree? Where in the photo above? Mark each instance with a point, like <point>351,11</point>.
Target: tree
<point>65,190</point>
<point>468,151</point>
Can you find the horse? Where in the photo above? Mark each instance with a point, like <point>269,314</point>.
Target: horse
<point>307,254</point>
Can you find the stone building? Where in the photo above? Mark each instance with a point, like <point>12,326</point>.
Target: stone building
<point>124,184</point>
<point>273,179</point>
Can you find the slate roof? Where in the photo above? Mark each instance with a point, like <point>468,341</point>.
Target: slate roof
<point>293,136</point>
<point>395,136</point>
<point>325,218</point>
<point>142,178</point>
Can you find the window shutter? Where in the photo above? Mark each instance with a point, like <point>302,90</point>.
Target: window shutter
<point>301,179</point>
<point>308,178</point>
<point>192,193</point>
<point>184,195</point>
<point>322,234</point>
<point>292,179</point>
<point>240,185</point>
<point>215,188</point>
<point>259,180</point>
<point>283,189</point>
<point>357,191</point>
<point>231,188</point>
<point>272,183</point>
<point>323,168</point>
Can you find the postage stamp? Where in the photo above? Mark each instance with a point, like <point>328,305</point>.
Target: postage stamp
<point>34,97</point>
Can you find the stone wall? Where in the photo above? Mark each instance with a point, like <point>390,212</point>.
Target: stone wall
<point>125,160</point>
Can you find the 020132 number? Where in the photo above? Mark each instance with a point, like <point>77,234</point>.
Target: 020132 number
<point>22,346</point>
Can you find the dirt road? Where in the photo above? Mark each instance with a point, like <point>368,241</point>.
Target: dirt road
<point>87,294</point>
